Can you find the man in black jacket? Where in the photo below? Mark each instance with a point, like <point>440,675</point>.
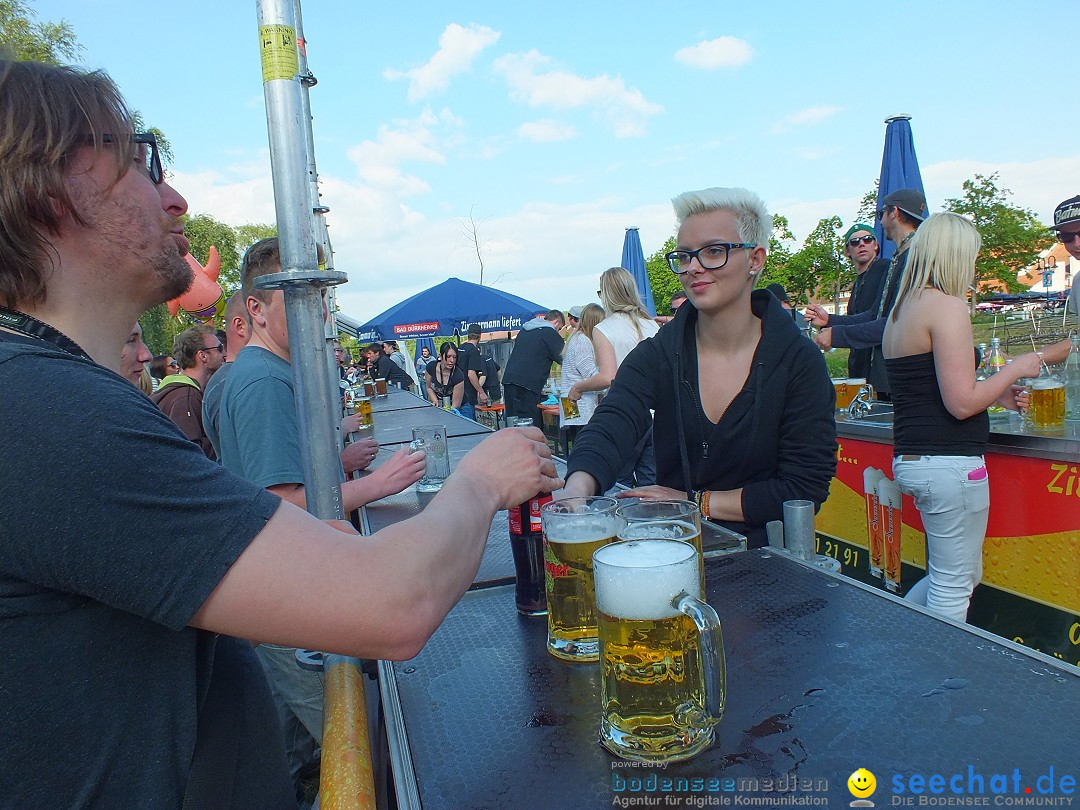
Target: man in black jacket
<point>382,367</point>
<point>861,246</point>
<point>536,347</point>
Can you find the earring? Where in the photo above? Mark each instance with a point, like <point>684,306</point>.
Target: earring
<point>751,274</point>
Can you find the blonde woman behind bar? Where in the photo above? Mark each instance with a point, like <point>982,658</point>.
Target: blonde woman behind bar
<point>940,425</point>
<point>579,363</point>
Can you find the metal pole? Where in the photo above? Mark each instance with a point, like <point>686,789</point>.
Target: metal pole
<point>322,235</point>
<point>301,278</point>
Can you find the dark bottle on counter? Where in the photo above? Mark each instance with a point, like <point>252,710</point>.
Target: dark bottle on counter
<point>527,544</point>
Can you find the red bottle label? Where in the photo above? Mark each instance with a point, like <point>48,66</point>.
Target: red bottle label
<point>535,524</point>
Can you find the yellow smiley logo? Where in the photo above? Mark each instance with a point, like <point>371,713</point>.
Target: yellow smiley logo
<point>861,783</point>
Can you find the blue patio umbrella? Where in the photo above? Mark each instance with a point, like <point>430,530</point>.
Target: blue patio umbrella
<point>633,259</point>
<point>449,306</point>
<point>899,169</point>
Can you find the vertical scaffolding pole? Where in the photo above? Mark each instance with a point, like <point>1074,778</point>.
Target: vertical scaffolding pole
<point>301,278</point>
<point>347,781</point>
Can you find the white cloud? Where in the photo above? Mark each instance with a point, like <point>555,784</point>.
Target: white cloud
<point>811,115</point>
<point>546,130</point>
<point>458,47</point>
<point>416,140</point>
<point>721,52</point>
<point>534,79</point>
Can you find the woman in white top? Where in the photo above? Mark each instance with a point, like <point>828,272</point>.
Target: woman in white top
<point>626,325</point>
<point>579,363</point>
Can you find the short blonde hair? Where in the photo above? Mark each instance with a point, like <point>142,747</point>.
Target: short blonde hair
<point>751,214</point>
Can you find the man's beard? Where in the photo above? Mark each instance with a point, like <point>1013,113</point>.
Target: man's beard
<point>175,274</point>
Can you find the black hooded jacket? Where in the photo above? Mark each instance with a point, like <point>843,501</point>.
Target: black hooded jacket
<point>776,440</point>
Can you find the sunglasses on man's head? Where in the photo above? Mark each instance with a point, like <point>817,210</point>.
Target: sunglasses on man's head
<point>866,240</point>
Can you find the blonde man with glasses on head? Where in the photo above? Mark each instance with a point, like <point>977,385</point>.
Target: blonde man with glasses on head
<point>180,395</point>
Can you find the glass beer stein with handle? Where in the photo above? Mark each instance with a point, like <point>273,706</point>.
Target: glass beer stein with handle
<point>573,529</point>
<point>662,675</point>
<point>682,519</point>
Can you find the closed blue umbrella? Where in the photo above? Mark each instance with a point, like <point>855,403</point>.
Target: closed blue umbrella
<point>633,259</point>
<point>899,169</point>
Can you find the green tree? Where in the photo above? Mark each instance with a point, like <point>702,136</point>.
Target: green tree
<point>822,268</point>
<point>868,206</point>
<point>776,263</point>
<point>1011,237</point>
<point>202,230</point>
<point>662,281</point>
<point>51,42</point>
<point>251,232</point>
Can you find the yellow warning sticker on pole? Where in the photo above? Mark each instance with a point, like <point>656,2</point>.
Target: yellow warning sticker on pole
<point>277,47</point>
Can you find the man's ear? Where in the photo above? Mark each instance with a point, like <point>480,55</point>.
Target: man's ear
<point>255,311</point>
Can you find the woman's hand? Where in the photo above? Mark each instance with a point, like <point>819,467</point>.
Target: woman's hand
<point>574,394</point>
<point>1017,398</point>
<point>654,492</point>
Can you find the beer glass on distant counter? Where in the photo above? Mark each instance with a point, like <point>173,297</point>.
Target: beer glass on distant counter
<point>662,675</point>
<point>573,529</point>
<point>682,519</point>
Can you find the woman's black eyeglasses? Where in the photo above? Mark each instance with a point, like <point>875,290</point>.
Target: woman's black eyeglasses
<point>710,257</point>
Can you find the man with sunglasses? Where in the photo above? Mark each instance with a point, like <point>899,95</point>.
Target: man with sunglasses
<point>901,213</point>
<point>1067,225</point>
<point>200,353</point>
<point>861,247</point>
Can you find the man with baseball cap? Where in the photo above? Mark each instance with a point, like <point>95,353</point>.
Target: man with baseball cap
<point>900,214</point>
<point>1067,225</point>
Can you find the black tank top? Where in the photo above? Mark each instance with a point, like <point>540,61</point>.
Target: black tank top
<point>922,425</point>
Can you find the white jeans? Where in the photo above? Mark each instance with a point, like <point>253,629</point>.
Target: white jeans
<point>952,493</point>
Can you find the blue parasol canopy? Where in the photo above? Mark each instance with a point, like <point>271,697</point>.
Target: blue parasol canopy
<point>451,305</point>
<point>899,169</point>
<point>633,259</point>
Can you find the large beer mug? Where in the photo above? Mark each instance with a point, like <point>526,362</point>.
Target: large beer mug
<point>573,529</point>
<point>662,678</point>
<point>682,521</point>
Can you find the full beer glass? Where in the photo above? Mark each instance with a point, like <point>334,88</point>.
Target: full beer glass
<point>573,529</point>
<point>684,518</point>
<point>662,676</point>
<point>1047,408</point>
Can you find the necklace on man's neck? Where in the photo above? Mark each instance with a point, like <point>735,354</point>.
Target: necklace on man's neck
<point>903,242</point>
<point>31,327</point>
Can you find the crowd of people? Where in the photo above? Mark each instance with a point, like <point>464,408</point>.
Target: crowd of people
<point>158,588</point>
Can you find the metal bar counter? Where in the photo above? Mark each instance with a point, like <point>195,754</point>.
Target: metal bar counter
<point>825,676</point>
<point>395,426</point>
<point>397,400</point>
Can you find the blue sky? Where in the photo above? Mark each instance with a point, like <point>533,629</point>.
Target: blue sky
<point>557,125</point>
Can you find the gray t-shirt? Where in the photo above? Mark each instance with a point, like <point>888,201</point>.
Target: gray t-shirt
<point>116,528</point>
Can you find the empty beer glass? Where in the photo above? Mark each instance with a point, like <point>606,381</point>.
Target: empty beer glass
<point>573,529</point>
<point>662,677</point>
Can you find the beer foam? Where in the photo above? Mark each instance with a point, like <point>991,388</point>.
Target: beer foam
<point>628,587</point>
<point>1044,384</point>
<point>581,528</point>
<point>662,529</point>
<point>888,492</point>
